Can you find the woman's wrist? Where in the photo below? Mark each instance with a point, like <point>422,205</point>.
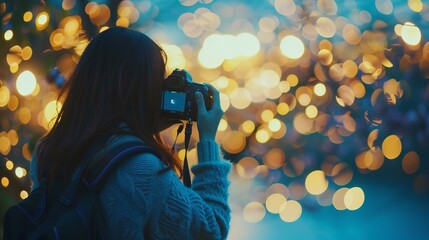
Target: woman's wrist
<point>209,137</point>
<point>208,150</point>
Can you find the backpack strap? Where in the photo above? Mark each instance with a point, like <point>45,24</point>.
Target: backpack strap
<point>92,172</point>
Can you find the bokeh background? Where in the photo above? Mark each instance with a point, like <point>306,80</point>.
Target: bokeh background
<point>326,103</point>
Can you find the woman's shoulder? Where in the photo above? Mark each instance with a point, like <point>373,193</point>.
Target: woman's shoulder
<point>149,160</point>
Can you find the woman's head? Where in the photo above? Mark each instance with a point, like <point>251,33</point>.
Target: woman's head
<point>119,76</point>
<point>118,79</point>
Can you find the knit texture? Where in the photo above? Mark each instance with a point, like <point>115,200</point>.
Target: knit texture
<point>139,201</point>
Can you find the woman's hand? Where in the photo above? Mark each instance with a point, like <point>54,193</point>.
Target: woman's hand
<point>208,120</point>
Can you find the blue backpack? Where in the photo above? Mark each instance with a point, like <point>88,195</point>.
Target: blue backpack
<point>76,212</point>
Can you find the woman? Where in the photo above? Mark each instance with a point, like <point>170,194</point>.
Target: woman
<point>115,90</point>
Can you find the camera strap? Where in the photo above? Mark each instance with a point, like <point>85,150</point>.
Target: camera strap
<point>186,174</point>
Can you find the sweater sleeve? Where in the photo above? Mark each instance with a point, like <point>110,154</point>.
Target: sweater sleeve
<point>211,184</point>
<point>140,199</point>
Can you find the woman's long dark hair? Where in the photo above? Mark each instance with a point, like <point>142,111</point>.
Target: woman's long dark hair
<point>118,79</point>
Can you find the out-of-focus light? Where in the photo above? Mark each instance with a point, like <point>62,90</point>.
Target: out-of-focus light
<point>384,6</point>
<point>373,159</point>
<point>42,20</point>
<point>26,153</point>
<point>102,29</point>
<point>26,83</point>
<point>358,89</point>
<point>5,147</point>
<point>122,22</point>
<point>325,27</point>
<point>290,211</point>
<point>27,16</point>
<point>99,14</point>
<point>285,7</point>
<point>391,147</point>
<point>5,182</point>
<point>302,123</point>
<point>311,111</point>
<point>249,44</point>
<point>354,198</point>
<point>240,98</point>
<point>209,58</point>
<point>223,125</point>
<point>280,133</point>
<point>342,174</point>
<point>304,99</point>
<point>292,79</point>
<point>338,199</point>
<point>325,199</point>
<point>325,57</point>
<point>296,190</point>
<point>254,212</point>
<point>248,127</point>
<point>92,8</point>
<point>350,68</point>
<point>415,5</point>
<point>234,142</point>
<point>27,52</point>
<point>292,47</point>
<point>274,159</point>
<point>20,172</point>
<point>57,39</point>
<point>13,103</point>
<point>274,202</point>
<point>24,115</point>
<point>188,3</point>
<point>268,24</point>
<point>411,34</point>
<point>269,78</point>
<point>316,182</point>
<point>222,82</point>
<point>262,136</point>
<point>267,115</point>
<point>23,194</point>
<point>224,102</point>
<point>397,29</point>
<point>4,96</point>
<point>51,110</point>
<point>175,57</point>
<point>274,125</point>
<point>8,35</point>
<point>14,67</point>
<point>319,89</point>
<point>282,108</point>
<point>247,167</point>
<point>411,162</point>
<point>68,4</point>
<point>217,48</point>
<point>71,25</point>
<point>284,86</point>
<point>352,34</point>
<point>13,137</point>
<point>346,94</point>
<point>9,165</point>
<point>14,58</point>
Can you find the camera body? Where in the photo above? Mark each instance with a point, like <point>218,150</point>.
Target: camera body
<point>178,96</point>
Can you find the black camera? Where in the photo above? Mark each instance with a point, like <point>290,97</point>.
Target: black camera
<point>178,96</point>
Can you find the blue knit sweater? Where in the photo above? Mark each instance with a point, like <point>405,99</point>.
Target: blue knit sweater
<point>139,202</point>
